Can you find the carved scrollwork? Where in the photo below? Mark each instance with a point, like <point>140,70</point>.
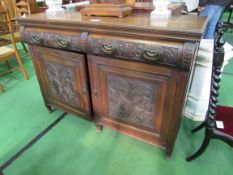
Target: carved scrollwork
<point>108,48</point>
<point>132,100</point>
<point>134,51</point>
<point>57,40</point>
<point>63,43</point>
<point>152,55</point>
<point>188,54</point>
<point>37,38</point>
<point>61,82</point>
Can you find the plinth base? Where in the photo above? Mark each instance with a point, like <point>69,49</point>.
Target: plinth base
<point>119,10</point>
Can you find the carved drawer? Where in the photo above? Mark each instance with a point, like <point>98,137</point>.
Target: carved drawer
<point>153,52</point>
<point>75,41</point>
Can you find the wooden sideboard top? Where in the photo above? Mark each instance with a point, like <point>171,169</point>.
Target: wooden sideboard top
<point>183,27</point>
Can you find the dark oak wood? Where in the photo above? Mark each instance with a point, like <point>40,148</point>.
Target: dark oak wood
<point>63,80</point>
<point>139,71</point>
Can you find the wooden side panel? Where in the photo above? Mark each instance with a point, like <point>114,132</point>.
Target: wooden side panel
<point>63,79</point>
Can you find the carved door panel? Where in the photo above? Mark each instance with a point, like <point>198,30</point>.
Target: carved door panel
<point>63,79</point>
<point>133,98</point>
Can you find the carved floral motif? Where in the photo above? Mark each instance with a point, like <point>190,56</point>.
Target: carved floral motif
<point>70,42</point>
<point>132,100</point>
<point>148,53</point>
<point>61,82</point>
<point>134,51</point>
<point>189,52</point>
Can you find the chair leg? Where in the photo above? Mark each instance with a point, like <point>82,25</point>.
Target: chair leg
<point>8,64</point>
<point>201,149</point>
<point>24,47</point>
<point>21,64</point>
<point>1,91</point>
<point>198,127</point>
<point>223,137</point>
<point>229,17</point>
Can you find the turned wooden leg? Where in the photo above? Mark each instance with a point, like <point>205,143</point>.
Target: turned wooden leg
<point>201,149</point>
<point>198,127</point>
<point>21,64</point>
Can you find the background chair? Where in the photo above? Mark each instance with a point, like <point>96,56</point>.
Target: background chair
<point>18,8</point>
<point>5,52</point>
<point>21,7</point>
<point>229,24</point>
<point>216,112</point>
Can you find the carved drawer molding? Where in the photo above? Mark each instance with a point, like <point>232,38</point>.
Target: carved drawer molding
<point>75,41</point>
<point>178,55</point>
<point>174,56</point>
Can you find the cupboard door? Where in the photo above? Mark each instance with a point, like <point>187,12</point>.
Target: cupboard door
<point>63,79</point>
<point>133,98</point>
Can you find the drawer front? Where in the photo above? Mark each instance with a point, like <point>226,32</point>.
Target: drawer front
<point>75,41</point>
<point>152,52</point>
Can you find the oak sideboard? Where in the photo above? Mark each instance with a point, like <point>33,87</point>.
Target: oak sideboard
<point>130,74</point>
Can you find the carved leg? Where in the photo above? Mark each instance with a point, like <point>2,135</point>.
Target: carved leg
<point>199,127</point>
<point>99,127</point>
<point>201,149</point>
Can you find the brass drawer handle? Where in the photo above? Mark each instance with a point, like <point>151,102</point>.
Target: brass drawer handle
<point>152,55</point>
<point>37,38</point>
<point>108,48</point>
<point>63,43</point>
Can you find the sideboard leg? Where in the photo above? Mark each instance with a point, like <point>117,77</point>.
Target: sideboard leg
<point>168,157</point>
<point>99,128</point>
<point>168,154</point>
<point>49,108</point>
